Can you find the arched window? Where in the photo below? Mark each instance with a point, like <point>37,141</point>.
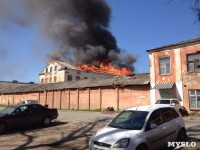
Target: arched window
<point>50,80</point>
<point>55,68</point>
<point>51,69</point>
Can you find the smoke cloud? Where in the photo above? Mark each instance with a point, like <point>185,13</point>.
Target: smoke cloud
<point>79,27</point>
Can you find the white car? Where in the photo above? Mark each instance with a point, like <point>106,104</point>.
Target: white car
<point>140,128</point>
<point>29,102</point>
<point>173,102</point>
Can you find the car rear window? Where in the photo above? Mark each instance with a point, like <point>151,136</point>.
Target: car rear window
<point>163,102</point>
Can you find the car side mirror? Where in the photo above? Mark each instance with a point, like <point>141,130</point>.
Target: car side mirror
<point>173,104</point>
<point>153,126</point>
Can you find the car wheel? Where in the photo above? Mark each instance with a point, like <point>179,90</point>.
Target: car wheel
<point>2,127</point>
<point>141,147</point>
<point>182,136</point>
<point>46,121</point>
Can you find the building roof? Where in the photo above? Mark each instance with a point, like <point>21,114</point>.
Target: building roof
<point>4,85</point>
<point>67,65</point>
<point>140,79</point>
<point>176,45</point>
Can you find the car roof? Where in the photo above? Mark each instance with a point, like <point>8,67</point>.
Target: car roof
<point>27,104</point>
<point>167,99</point>
<point>148,107</point>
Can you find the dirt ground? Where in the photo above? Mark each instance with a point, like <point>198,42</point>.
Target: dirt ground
<point>60,135</point>
<point>71,131</point>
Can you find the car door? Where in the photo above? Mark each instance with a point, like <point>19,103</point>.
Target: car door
<point>171,121</point>
<point>19,117</point>
<point>156,137</point>
<point>36,114</point>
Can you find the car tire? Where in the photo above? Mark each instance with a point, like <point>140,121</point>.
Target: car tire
<point>141,147</point>
<point>2,127</point>
<point>46,121</point>
<point>182,135</point>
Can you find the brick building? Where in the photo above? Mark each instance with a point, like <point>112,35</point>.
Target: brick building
<point>57,71</point>
<point>175,72</point>
<point>118,92</point>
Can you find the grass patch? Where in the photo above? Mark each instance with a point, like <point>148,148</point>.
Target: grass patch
<point>1,105</point>
<point>92,110</point>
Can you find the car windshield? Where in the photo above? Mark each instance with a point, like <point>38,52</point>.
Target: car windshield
<point>8,110</point>
<point>133,120</point>
<point>163,102</point>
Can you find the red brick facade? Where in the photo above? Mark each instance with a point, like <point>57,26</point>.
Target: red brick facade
<point>90,98</point>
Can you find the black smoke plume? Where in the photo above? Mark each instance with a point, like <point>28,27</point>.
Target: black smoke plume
<point>79,27</point>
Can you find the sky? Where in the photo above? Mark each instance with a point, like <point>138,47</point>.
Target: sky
<point>137,26</point>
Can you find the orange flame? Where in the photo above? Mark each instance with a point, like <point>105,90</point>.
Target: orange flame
<point>107,68</point>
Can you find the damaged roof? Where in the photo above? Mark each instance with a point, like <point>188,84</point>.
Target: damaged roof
<point>140,79</point>
<point>67,65</point>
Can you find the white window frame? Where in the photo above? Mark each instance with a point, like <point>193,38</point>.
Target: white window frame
<point>164,66</point>
<point>195,96</point>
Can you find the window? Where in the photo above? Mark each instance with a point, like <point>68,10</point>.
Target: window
<point>78,78</point>
<point>69,78</point>
<point>55,68</point>
<point>164,66</point>
<point>155,118</point>
<point>133,120</point>
<point>55,79</point>
<point>168,114</point>
<point>51,69</point>
<point>166,93</point>
<point>85,77</point>
<point>194,96</point>
<point>50,80</point>
<point>42,81</point>
<point>193,62</point>
<point>46,70</point>
<point>46,80</point>
<point>34,109</point>
<point>23,110</point>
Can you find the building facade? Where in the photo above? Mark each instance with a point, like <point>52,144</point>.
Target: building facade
<point>175,72</point>
<point>57,71</point>
<point>118,92</point>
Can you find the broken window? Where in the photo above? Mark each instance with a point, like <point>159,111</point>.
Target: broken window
<point>193,62</point>
<point>164,66</point>
<point>194,96</point>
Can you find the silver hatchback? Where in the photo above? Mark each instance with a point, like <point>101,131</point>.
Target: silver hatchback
<point>140,128</point>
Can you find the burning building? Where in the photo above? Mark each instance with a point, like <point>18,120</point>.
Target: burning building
<point>57,71</point>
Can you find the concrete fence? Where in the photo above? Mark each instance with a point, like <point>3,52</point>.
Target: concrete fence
<point>90,98</point>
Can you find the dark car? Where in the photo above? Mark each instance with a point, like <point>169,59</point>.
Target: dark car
<point>24,115</point>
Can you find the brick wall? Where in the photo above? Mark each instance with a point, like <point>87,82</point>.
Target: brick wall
<point>90,98</point>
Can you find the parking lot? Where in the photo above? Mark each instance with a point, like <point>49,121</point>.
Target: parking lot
<point>71,131</point>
